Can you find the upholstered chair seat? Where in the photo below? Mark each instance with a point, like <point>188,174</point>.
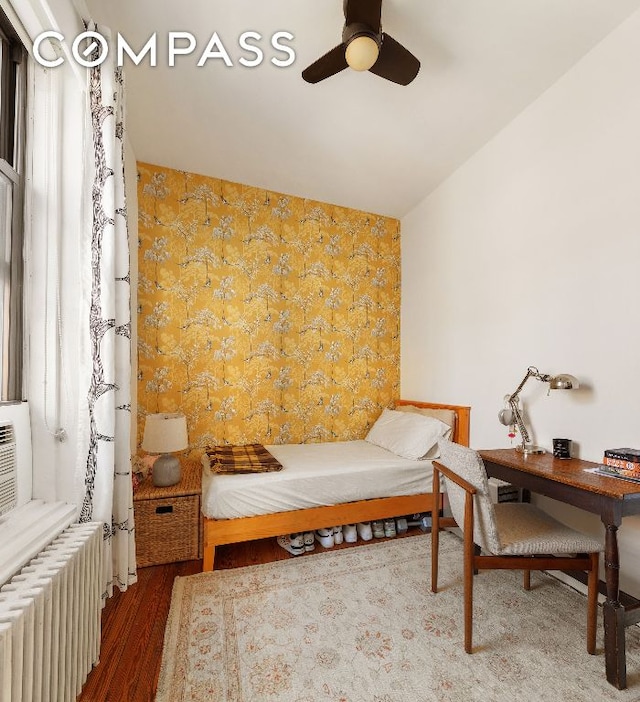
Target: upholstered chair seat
<point>525,530</point>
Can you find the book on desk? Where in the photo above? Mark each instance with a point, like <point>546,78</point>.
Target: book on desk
<point>621,463</point>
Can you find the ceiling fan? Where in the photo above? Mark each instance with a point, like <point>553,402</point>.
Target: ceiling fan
<point>365,47</point>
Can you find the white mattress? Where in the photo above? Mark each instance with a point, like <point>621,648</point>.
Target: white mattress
<point>314,475</point>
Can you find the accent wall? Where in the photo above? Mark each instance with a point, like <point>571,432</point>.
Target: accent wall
<point>263,317</point>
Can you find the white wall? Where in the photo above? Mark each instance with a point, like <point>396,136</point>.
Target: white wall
<point>529,255</point>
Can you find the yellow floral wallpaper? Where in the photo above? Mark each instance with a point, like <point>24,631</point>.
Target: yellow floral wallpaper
<point>263,317</point>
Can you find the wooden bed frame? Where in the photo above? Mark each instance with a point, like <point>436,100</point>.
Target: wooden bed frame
<point>229,531</point>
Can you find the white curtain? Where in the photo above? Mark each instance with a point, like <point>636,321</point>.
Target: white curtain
<point>77,289</point>
<point>108,494</point>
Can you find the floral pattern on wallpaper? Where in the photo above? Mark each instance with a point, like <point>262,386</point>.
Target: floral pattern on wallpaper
<point>263,317</point>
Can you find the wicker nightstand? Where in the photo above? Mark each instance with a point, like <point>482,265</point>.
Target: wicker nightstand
<point>168,519</point>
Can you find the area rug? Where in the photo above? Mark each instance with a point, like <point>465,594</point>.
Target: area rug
<point>361,624</point>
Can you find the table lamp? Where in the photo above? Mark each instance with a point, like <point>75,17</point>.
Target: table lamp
<point>165,434</point>
<point>511,413</point>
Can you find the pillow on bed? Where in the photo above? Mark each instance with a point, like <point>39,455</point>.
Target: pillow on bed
<point>444,415</point>
<point>407,434</point>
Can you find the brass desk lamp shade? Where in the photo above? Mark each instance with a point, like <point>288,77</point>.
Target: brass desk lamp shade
<point>165,434</point>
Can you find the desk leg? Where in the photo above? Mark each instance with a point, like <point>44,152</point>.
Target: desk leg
<point>614,636</point>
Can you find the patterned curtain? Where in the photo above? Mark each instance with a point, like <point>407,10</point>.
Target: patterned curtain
<point>108,494</point>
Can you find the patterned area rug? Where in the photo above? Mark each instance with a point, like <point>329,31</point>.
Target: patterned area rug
<point>361,624</point>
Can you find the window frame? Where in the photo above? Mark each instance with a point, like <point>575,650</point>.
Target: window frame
<point>13,90</point>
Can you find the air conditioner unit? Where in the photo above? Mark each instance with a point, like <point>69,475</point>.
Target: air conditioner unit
<point>8,482</point>
<point>501,491</point>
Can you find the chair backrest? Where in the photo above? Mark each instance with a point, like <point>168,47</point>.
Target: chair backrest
<point>468,464</point>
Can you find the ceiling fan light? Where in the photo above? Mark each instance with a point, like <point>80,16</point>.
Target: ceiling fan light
<point>361,53</point>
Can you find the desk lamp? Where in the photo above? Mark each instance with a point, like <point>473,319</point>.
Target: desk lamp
<point>165,434</point>
<point>512,415</point>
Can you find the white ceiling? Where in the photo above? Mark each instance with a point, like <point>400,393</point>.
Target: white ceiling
<point>354,139</point>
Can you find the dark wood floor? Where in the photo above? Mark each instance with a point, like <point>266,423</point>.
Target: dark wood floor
<point>133,622</point>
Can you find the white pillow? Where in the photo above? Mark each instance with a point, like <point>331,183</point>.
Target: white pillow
<point>444,415</point>
<point>407,434</point>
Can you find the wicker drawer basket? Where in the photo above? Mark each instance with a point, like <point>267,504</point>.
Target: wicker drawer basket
<point>167,530</point>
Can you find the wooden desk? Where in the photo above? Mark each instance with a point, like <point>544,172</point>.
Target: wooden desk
<point>611,498</point>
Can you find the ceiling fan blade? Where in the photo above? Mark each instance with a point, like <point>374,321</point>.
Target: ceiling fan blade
<point>363,12</point>
<point>328,65</point>
<point>395,63</point>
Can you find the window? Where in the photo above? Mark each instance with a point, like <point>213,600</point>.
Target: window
<point>13,65</point>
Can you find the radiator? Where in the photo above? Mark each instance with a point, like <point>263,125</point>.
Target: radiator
<point>50,619</point>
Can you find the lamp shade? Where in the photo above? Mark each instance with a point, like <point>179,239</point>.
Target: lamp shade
<point>165,433</point>
<point>564,381</point>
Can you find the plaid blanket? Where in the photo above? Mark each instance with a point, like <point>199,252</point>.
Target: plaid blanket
<point>252,458</point>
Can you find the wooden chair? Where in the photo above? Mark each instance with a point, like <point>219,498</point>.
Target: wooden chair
<point>512,535</point>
